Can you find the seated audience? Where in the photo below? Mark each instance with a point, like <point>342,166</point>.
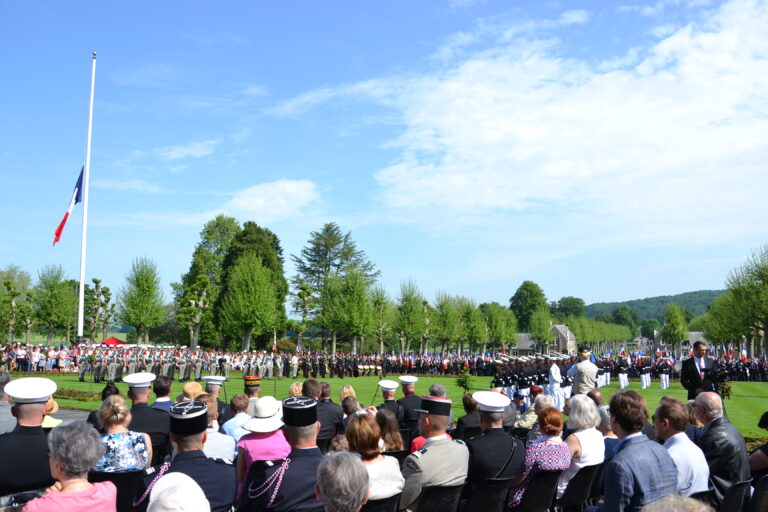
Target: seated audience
<point>234,427</point>
<point>363,436</point>
<point>217,445</point>
<point>390,431</point>
<point>471,418</point>
<point>596,396</point>
<point>675,503</point>
<point>494,454</point>
<point>758,459</point>
<point>439,390</point>
<point>190,391</point>
<point>345,391</point>
<point>670,421</point>
<point>265,440</point>
<point>609,438</point>
<point>548,453</point>
<point>349,406</point>
<point>640,471</point>
<point>723,446</point>
<point>178,493</point>
<point>93,417</point>
<point>295,389</point>
<point>586,442</point>
<point>124,450</point>
<point>339,444</point>
<point>342,483</point>
<point>162,389</point>
<point>74,450</point>
<point>51,408</point>
<point>529,419</point>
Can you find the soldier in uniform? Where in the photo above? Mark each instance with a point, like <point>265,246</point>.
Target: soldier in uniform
<point>131,362</point>
<point>181,364</point>
<point>213,387</point>
<point>217,478</point>
<point>664,369</point>
<point>289,485</point>
<point>645,373</point>
<point>388,388</point>
<point>25,449</point>
<point>410,403</point>
<point>495,454</point>
<point>268,367</point>
<point>623,373</point>
<point>294,366</point>
<point>279,366</point>
<point>441,462</point>
<point>83,364</point>
<point>146,419</point>
<point>98,366</point>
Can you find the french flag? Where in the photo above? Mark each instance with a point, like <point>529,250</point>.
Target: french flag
<point>77,197</point>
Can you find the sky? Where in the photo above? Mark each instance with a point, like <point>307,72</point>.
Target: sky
<point>605,150</point>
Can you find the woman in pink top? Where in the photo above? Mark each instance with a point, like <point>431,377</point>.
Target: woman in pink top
<point>74,450</point>
<point>266,442</point>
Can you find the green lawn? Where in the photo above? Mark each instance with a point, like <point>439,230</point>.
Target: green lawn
<point>744,409</point>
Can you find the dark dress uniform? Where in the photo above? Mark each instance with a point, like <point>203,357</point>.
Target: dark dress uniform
<point>329,415</point>
<point>410,417</point>
<point>25,467</point>
<point>225,413</point>
<point>467,425</point>
<point>395,407</point>
<point>488,454</point>
<point>217,478</point>
<point>297,488</point>
<point>157,424</point>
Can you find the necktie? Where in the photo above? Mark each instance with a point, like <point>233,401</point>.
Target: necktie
<point>701,368</point>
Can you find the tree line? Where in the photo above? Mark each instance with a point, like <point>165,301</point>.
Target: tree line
<point>235,294</point>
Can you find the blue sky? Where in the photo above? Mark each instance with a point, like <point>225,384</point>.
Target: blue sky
<point>606,150</point>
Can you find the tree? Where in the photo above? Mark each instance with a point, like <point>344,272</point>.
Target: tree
<point>108,311</point>
<point>568,306</point>
<point>21,280</point>
<point>141,299</point>
<point>265,245</point>
<point>674,329</point>
<point>648,328</point>
<point>53,299</point>
<point>383,310</point>
<point>624,315</point>
<point>207,265</point>
<point>447,321</point>
<point>528,298</point>
<point>355,310</point>
<point>9,307</point>
<point>541,326</point>
<point>410,318</point>
<point>248,300</point>
<point>473,328</point>
<point>501,323</point>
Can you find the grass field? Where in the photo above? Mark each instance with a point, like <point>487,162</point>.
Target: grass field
<point>744,409</point>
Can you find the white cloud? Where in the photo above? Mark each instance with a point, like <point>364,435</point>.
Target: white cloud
<point>272,201</point>
<point>663,145</point>
<point>134,185</point>
<point>191,150</point>
<point>575,17</point>
<point>254,90</point>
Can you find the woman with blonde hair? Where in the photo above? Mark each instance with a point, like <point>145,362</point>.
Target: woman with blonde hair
<point>295,389</point>
<point>124,450</point>
<point>345,391</point>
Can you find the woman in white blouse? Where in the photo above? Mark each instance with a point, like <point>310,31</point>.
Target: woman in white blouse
<point>586,443</point>
<point>363,435</point>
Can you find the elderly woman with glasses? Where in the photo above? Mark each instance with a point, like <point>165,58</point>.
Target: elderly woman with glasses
<point>73,450</point>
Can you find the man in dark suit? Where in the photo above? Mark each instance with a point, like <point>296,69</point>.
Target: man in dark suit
<point>723,446</point>
<point>24,450</point>
<point>495,454</point>
<point>696,372</point>
<point>388,388</point>
<point>144,418</point>
<point>328,414</point>
<point>410,403</point>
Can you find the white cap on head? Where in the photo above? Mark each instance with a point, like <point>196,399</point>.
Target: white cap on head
<point>139,380</point>
<point>177,492</point>
<point>217,380</point>
<point>408,379</point>
<point>30,390</point>
<point>388,385</point>
<point>490,401</point>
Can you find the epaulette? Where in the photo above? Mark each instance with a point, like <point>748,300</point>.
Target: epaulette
<point>459,441</point>
<point>419,453</point>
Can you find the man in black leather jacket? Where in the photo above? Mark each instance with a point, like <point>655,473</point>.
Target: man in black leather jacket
<point>723,446</point>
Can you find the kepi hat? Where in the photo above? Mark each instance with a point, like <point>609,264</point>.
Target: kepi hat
<point>189,417</point>
<point>299,411</point>
<point>435,405</point>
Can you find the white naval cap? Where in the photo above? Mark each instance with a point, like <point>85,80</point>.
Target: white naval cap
<point>30,390</point>
<point>217,380</point>
<point>408,379</point>
<point>490,401</point>
<point>139,380</point>
<point>388,385</point>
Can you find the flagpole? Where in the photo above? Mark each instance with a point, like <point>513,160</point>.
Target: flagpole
<point>81,290</point>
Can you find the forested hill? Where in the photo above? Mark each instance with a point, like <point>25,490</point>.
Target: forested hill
<point>695,302</point>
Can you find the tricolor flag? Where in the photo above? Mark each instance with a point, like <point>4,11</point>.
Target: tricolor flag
<point>77,197</point>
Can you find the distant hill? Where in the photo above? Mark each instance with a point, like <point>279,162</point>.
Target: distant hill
<point>696,302</point>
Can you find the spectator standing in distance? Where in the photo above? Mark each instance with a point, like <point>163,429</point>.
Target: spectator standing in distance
<point>723,446</point>
<point>584,374</point>
<point>441,461</point>
<point>342,482</point>
<point>670,422</point>
<point>695,372</point>
<point>641,471</point>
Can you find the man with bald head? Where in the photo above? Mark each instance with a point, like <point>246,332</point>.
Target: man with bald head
<point>722,444</point>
